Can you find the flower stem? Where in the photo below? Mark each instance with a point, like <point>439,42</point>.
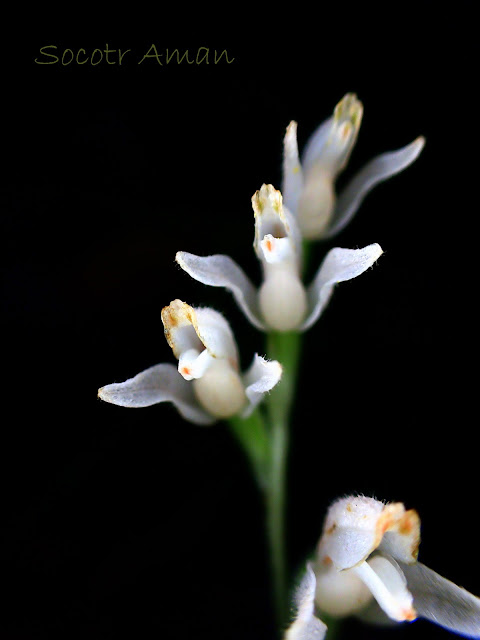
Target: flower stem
<point>253,438</point>
<point>284,347</point>
<point>266,447</point>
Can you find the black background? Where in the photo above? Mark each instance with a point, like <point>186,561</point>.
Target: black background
<point>133,523</point>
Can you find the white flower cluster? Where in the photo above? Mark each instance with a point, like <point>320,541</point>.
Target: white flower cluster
<point>208,384</point>
<point>306,209</point>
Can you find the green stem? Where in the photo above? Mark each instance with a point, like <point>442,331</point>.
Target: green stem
<point>284,347</point>
<point>253,438</point>
<point>333,626</point>
<point>267,452</point>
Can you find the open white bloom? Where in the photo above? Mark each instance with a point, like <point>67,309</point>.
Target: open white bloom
<point>306,626</point>
<point>366,564</point>
<point>309,186</point>
<point>282,302</point>
<point>207,384</point>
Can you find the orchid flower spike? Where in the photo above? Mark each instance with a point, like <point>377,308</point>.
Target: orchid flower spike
<point>207,385</point>
<point>306,626</point>
<point>366,564</point>
<point>309,186</point>
<point>282,302</point>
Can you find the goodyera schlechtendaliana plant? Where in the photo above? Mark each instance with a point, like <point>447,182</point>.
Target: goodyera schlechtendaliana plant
<point>366,565</point>
<point>202,341</point>
<point>208,385</point>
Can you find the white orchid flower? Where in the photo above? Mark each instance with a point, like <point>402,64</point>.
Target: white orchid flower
<point>282,302</point>
<point>207,384</point>
<point>366,564</point>
<point>309,186</point>
<point>305,626</point>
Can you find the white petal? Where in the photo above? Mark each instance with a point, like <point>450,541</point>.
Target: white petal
<point>377,170</point>
<point>271,217</point>
<point>339,265</point>
<point>215,333</point>
<point>356,526</point>
<point>267,205</point>
<point>222,271</point>
<point>349,531</point>
<point>316,204</point>
<point>193,330</point>
<point>403,538</point>
<point>276,250</point>
<point>306,625</point>
<point>315,144</point>
<point>292,170</point>
<point>179,329</point>
<point>260,378</point>
<point>333,149</point>
<point>387,583</point>
<point>442,601</point>
<point>193,365</point>
<point>295,236</point>
<point>160,383</point>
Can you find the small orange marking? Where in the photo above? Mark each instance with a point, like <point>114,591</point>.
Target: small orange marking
<point>168,317</point>
<point>187,371</point>
<point>346,132</point>
<point>331,529</point>
<point>268,245</point>
<point>385,522</point>
<point>327,561</point>
<point>349,507</point>
<point>409,614</point>
<point>386,525</point>
<point>406,526</point>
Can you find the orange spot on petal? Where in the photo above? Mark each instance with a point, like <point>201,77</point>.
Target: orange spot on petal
<point>386,525</point>
<point>409,614</point>
<point>406,526</point>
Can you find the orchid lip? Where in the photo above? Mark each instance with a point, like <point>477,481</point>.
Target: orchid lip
<point>192,364</point>
<point>276,250</point>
